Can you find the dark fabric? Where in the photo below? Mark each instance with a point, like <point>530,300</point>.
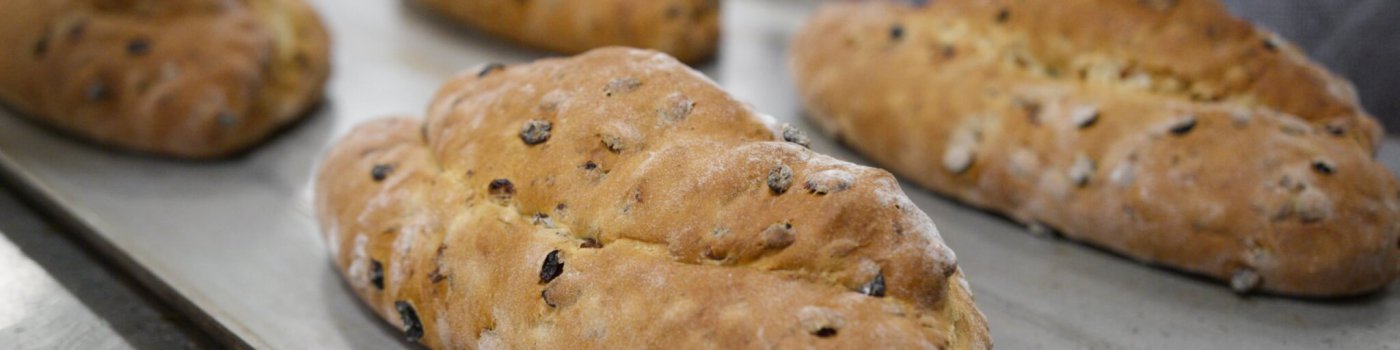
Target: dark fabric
<point>1359,39</point>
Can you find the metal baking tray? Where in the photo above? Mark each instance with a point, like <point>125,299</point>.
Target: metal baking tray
<point>234,244</point>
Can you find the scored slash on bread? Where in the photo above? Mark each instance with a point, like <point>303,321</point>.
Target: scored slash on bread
<point>686,29</point>
<point>1168,131</point>
<point>188,79</point>
<point>619,199</point>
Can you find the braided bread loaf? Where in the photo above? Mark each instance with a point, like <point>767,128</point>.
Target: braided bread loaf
<point>1164,130</point>
<point>618,199</point>
<point>192,78</point>
<point>686,29</point>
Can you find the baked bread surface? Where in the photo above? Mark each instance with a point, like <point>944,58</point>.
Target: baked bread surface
<point>190,78</point>
<point>686,29</point>
<point>1167,131</point>
<point>618,199</point>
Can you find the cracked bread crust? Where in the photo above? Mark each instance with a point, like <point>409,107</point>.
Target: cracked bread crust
<point>1164,130</point>
<point>686,29</point>
<point>188,79</point>
<point>646,212</point>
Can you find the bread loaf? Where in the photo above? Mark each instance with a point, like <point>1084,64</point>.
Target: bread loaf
<point>1167,131</point>
<point>191,78</point>
<point>620,200</point>
<point>686,29</point>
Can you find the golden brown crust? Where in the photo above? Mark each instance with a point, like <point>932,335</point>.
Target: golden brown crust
<point>1266,182</point>
<point>686,29</point>
<point>191,79</point>
<point>679,215</point>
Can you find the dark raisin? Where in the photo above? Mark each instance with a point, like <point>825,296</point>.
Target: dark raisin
<point>488,68</point>
<point>1269,45</point>
<point>950,51</point>
<point>1322,167</point>
<point>542,219</point>
<point>412,328</point>
<point>436,275</point>
<point>876,287</point>
<point>1003,15</point>
<point>302,60</point>
<point>1021,61</point>
<point>76,32</point>
<point>590,244</point>
<point>501,189</point>
<point>535,132</point>
<point>138,47</point>
<point>1212,32</point>
<point>1336,128</point>
<point>795,135</point>
<point>825,332</point>
<point>226,119</point>
<point>96,91</point>
<point>42,46</point>
<point>552,267</point>
<point>1032,110</point>
<point>376,274</point>
<point>381,172</point>
<point>1184,126</point>
<point>780,179</point>
<point>590,165</point>
<point>896,32</point>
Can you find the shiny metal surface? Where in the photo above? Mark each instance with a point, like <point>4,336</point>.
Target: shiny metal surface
<point>37,313</point>
<point>55,295</point>
<point>233,242</point>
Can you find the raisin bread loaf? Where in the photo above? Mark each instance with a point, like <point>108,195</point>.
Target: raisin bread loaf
<point>618,199</point>
<point>1167,131</point>
<point>686,29</point>
<point>192,79</point>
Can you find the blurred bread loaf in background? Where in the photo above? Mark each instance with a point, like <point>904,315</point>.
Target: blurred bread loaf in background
<point>1168,131</point>
<point>188,79</point>
<point>686,29</point>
